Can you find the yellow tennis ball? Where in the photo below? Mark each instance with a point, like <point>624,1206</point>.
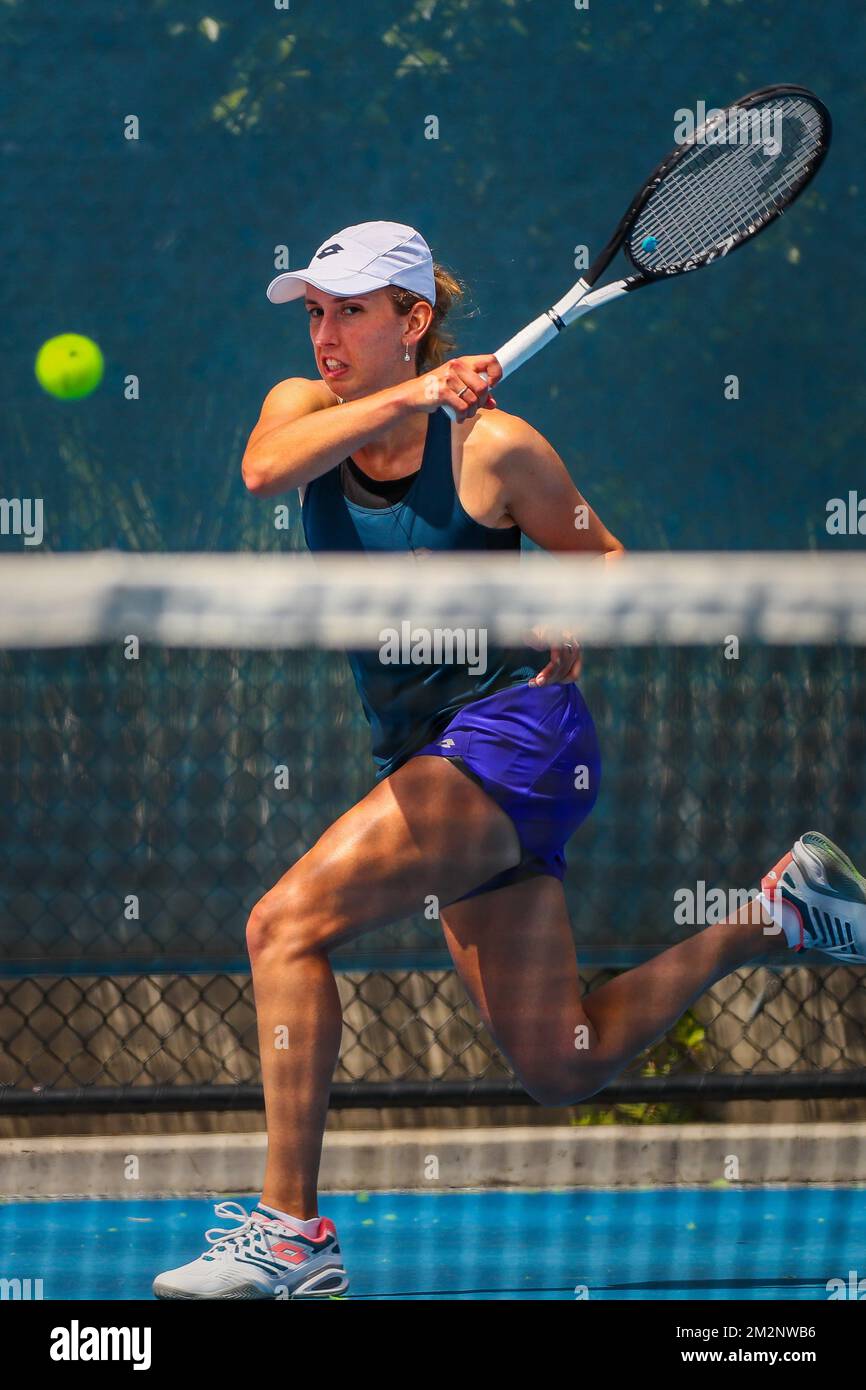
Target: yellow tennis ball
<point>69,366</point>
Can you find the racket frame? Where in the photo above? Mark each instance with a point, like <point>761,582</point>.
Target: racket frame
<point>581,298</point>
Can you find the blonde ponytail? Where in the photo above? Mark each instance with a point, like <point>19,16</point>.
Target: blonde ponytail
<point>437,345</point>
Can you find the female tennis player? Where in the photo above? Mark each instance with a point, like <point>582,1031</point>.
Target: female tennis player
<point>483,774</point>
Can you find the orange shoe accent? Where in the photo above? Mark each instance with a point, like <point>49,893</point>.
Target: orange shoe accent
<point>291,1253</point>
<point>770,889</point>
<point>770,881</point>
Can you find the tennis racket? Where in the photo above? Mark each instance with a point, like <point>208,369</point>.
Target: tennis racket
<point>707,198</point>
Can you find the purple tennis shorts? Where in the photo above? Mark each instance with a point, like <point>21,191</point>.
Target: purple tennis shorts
<point>534,750</point>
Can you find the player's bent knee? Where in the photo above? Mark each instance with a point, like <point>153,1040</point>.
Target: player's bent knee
<point>265,927</point>
<point>559,1089</point>
<point>293,919</point>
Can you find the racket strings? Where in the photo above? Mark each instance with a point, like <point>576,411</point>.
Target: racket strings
<point>744,161</point>
<point>701,214</point>
<point>735,167</point>
<point>722,192</point>
<point>718,200</point>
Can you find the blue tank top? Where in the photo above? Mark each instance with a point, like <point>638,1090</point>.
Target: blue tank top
<point>408,703</point>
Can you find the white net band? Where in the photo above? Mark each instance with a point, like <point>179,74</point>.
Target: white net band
<point>280,601</point>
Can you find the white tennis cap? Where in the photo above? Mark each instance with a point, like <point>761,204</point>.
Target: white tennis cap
<point>360,259</point>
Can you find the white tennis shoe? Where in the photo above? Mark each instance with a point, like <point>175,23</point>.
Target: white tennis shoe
<point>263,1257</point>
<point>828,895</point>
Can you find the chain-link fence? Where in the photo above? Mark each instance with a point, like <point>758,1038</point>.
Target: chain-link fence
<point>147,804</point>
<point>410,1038</point>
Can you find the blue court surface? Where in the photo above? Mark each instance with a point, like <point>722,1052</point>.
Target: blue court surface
<point>684,1243</point>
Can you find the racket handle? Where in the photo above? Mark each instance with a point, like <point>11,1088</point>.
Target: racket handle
<point>520,348</point>
<point>544,329</point>
<point>526,344</point>
<point>447,408</point>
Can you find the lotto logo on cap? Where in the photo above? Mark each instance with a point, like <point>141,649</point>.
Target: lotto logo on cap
<point>360,259</point>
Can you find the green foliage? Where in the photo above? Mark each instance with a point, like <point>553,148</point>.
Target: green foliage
<point>679,1052</point>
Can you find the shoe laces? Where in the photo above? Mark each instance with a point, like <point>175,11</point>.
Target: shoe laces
<point>249,1232</point>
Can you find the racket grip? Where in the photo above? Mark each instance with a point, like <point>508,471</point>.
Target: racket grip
<point>522,346</point>
<point>526,344</point>
<point>447,408</point>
